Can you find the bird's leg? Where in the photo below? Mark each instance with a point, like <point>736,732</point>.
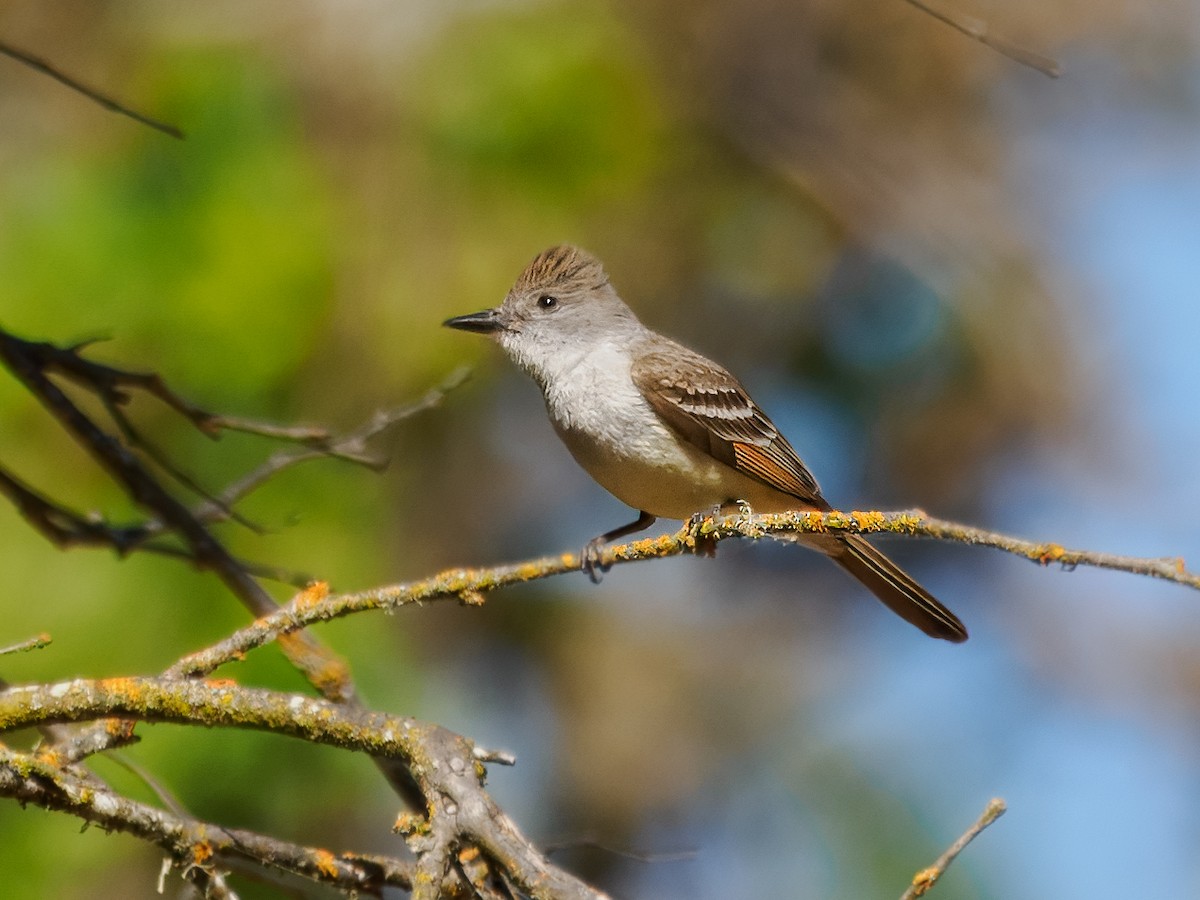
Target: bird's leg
<point>590,555</point>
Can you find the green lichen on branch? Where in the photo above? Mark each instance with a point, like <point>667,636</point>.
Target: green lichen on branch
<point>212,703</point>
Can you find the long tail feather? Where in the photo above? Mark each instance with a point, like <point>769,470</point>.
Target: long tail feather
<point>896,588</point>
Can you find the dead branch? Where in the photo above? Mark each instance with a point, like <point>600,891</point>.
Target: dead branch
<point>457,809</point>
<point>191,844</point>
<point>41,65</point>
<point>978,30</point>
<point>927,878</point>
<point>34,363</point>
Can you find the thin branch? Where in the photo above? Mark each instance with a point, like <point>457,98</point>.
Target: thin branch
<point>67,528</point>
<point>211,704</point>
<point>927,878</point>
<point>37,642</point>
<point>978,30</point>
<point>113,387</point>
<point>351,447</point>
<point>28,366</point>
<point>64,527</point>
<point>134,438</point>
<point>30,363</point>
<point>470,585</point>
<point>590,842</point>
<point>40,65</point>
<point>191,843</point>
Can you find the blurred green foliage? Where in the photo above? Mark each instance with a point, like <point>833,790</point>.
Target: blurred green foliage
<point>545,106</point>
<point>167,246</point>
<point>212,262</point>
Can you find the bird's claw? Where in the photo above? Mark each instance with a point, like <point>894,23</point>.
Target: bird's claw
<point>703,544</point>
<point>590,560</point>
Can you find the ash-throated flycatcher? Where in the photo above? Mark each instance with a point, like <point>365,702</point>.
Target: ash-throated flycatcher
<point>664,429</point>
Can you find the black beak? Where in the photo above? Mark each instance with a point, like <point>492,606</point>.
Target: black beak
<point>485,322</point>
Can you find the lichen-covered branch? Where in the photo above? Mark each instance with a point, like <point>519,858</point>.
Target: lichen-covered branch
<point>194,847</point>
<point>913,523</point>
<point>470,585</point>
<point>459,812</point>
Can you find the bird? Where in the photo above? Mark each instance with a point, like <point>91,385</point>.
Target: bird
<point>663,428</point>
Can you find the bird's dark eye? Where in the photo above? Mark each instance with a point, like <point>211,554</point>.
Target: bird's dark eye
<point>547,302</point>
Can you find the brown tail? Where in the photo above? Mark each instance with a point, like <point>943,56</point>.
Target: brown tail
<point>896,588</point>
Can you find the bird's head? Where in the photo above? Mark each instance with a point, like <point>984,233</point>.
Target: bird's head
<point>562,303</point>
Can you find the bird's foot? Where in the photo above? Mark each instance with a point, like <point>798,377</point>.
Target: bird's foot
<point>703,544</point>
<point>591,559</point>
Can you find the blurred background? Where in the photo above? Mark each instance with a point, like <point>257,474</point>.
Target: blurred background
<point>953,282</point>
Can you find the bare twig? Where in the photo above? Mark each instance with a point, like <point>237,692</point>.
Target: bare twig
<point>63,527</point>
<point>978,30</point>
<point>37,642</point>
<point>114,388</point>
<point>591,842</point>
<point>134,438</point>
<point>66,528</point>
<point>499,757</point>
<point>927,878</point>
<point>23,360</point>
<point>40,65</point>
<point>351,447</point>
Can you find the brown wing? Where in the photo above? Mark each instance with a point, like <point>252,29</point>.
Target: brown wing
<point>710,409</point>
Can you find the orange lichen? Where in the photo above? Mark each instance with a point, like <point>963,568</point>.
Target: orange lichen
<point>334,673</point>
<point>815,521</point>
<point>468,854</point>
<point>202,852</point>
<point>869,521</point>
<point>326,863</point>
<point>50,755</point>
<point>120,728</point>
<point>408,824</point>
<point>130,688</point>
<point>471,598</point>
<point>1051,553</point>
<point>924,880</point>
<point>311,595</point>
